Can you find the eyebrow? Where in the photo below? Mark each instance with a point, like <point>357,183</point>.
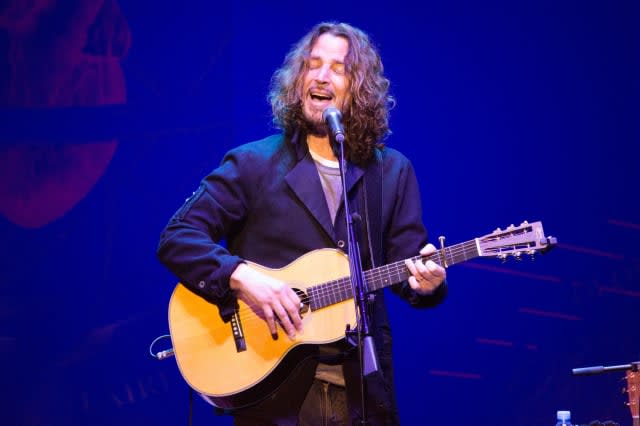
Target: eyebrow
<point>341,62</point>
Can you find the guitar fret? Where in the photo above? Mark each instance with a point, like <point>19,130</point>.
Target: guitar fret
<point>311,298</point>
<point>323,292</point>
<point>346,291</point>
<point>315,302</point>
<point>314,297</point>
<point>327,293</point>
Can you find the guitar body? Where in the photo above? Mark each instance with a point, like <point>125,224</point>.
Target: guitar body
<point>205,348</point>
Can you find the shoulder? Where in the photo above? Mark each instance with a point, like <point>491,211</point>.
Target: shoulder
<point>257,160</point>
<point>263,149</point>
<point>393,160</point>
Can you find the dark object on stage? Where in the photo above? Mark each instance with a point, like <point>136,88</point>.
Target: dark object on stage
<point>633,385</point>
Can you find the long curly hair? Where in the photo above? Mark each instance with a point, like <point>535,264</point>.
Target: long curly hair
<point>365,117</point>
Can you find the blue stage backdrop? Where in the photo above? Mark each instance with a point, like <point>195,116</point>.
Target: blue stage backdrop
<point>510,111</point>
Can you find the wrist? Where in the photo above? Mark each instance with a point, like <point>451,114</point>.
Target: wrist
<point>237,276</point>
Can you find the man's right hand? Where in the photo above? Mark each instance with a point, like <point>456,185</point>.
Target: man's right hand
<point>270,298</point>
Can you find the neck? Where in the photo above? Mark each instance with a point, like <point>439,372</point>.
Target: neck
<point>321,146</point>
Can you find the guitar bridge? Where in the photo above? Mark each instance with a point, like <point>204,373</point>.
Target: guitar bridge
<point>238,334</point>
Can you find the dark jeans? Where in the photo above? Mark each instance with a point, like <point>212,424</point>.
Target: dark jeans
<point>301,400</point>
<point>325,405</point>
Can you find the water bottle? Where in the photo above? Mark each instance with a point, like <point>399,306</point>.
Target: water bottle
<point>563,418</point>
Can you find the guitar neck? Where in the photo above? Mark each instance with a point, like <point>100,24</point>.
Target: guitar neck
<point>336,291</point>
<point>396,272</point>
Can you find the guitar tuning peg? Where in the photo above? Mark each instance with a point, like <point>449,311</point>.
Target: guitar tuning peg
<point>502,257</point>
<point>532,254</point>
<point>518,256</point>
<point>510,226</point>
<point>524,223</point>
<point>498,230</point>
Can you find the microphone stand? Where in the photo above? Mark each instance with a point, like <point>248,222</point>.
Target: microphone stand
<point>359,288</point>
<point>632,384</point>
<point>599,369</point>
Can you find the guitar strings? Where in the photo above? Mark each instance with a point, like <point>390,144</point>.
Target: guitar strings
<point>327,290</point>
<point>453,254</point>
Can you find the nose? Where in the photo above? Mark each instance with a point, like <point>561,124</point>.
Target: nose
<point>323,74</point>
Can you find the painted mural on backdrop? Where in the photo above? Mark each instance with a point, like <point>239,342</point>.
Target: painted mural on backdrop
<point>57,55</point>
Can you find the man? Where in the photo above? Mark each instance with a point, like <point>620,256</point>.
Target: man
<point>276,199</point>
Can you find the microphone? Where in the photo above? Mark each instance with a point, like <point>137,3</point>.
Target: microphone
<point>333,119</point>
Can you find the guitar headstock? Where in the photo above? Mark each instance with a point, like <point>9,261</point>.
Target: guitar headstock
<point>633,389</point>
<point>527,238</point>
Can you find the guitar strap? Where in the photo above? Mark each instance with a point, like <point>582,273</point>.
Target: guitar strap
<point>373,184</point>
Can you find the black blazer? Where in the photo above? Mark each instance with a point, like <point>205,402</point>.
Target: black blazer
<point>266,201</point>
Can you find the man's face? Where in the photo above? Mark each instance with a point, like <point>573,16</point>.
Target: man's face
<point>325,82</point>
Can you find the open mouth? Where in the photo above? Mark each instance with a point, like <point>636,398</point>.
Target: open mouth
<point>321,96</point>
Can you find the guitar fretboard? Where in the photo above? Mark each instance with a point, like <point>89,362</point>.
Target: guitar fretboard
<point>336,291</point>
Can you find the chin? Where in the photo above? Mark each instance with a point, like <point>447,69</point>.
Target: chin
<point>314,119</point>
<point>315,127</point>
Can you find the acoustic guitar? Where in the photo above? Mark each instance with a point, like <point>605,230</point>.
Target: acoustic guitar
<point>238,363</point>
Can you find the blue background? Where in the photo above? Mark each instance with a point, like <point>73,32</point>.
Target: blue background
<point>509,111</point>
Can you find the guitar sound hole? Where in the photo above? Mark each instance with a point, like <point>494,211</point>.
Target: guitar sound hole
<point>304,307</point>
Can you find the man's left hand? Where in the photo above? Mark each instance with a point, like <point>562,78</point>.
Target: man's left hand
<point>427,276</point>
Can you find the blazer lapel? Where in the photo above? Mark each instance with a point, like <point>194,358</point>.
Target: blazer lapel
<point>304,181</point>
<point>354,173</point>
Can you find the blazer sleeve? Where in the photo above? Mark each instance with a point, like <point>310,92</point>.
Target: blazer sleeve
<point>190,244</point>
<point>406,234</point>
